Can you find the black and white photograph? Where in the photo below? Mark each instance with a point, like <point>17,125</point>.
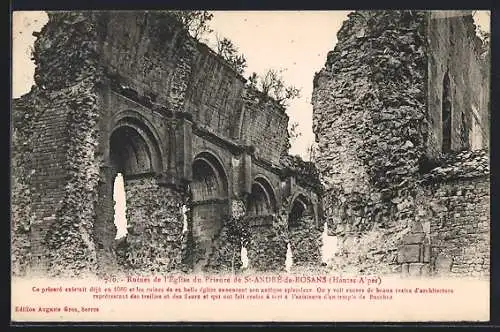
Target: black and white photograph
<point>321,149</point>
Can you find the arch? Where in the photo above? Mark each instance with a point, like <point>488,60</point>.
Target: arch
<point>262,199</point>
<point>210,204</point>
<point>145,128</point>
<point>133,148</point>
<point>210,180</point>
<point>300,206</point>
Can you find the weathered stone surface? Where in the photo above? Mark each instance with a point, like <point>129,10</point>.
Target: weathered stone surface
<point>146,100</point>
<point>377,120</point>
<point>267,246</point>
<point>305,243</point>
<point>60,121</point>
<point>155,222</point>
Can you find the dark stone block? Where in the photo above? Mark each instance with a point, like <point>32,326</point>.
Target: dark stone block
<point>410,253</point>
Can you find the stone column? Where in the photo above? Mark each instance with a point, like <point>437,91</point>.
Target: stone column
<point>267,245</point>
<point>414,253</point>
<point>305,242</point>
<point>104,227</point>
<point>155,222</point>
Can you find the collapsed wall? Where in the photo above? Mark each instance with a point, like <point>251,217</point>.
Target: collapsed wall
<point>381,125</point>
<point>368,118</point>
<point>454,206</point>
<point>57,122</point>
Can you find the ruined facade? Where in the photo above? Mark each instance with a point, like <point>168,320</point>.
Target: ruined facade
<point>133,93</point>
<point>401,118</point>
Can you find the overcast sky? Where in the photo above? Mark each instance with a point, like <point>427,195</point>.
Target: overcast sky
<point>297,41</point>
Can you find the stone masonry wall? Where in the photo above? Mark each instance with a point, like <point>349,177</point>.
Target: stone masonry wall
<point>263,125</point>
<point>214,94</point>
<point>154,223</point>
<point>62,192</point>
<point>457,204</point>
<point>226,246</point>
<point>305,243</point>
<point>375,108</point>
<point>368,118</point>
<point>453,46</point>
<point>23,115</point>
<point>267,243</point>
<point>163,66</point>
<point>62,143</point>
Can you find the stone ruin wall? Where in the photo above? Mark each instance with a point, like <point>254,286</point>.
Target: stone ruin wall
<point>89,67</point>
<point>454,208</point>
<point>57,138</point>
<point>454,46</point>
<point>375,111</point>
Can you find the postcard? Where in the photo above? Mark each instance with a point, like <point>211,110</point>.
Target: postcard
<point>229,166</point>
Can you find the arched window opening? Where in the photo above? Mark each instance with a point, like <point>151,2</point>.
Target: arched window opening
<point>120,218</point>
<point>296,214</point>
<point>205,183</point>
<point>261,200</point>
<point>446,115</point>
<point>210,206</point>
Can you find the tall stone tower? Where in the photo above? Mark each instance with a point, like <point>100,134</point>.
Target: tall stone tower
<point>403,97</point>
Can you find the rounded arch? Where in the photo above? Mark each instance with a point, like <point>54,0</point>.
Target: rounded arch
<point>146,130</point>
<point>262,199</point>
<point>133,147</point>
<point>300,206</point>
<point>210,178</point>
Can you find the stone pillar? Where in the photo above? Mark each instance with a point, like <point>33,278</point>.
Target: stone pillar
<point>226,247</point>
<point>414,253</point>
<point>184,148</point>
<point>208,219</point>
<point>305,242</point>
<point>155,222</point>
<point>267,245</point>
<point>104,227</point>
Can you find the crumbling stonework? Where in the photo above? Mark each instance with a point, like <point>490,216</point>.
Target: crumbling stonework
<point>377,120</point>
<point>154,216</point>
<point>267,243</point>
<point>60,120</point>
<point>305,242</point>
<point>458,204</point>
<point>226,246</point>
<point>304,214</point>
<point>146,100</point>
